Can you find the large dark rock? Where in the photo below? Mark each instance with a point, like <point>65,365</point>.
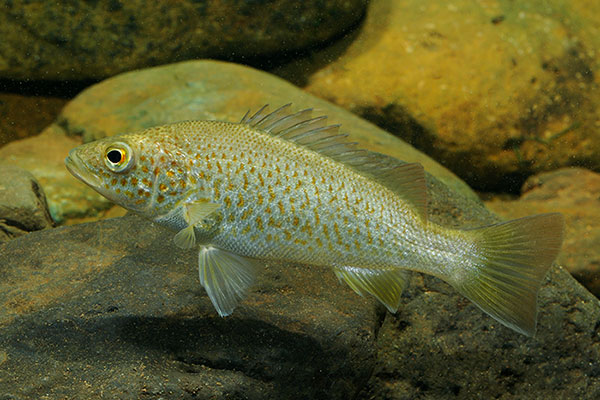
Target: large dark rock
<point>112,309</point>
<point>96,39</point>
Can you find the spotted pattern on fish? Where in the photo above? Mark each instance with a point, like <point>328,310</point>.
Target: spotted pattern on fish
<point>287,187</point>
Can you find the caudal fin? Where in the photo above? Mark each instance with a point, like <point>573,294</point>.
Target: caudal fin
<point>512,259</point>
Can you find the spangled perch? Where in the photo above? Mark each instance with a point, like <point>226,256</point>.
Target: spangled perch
<point>287,187</point>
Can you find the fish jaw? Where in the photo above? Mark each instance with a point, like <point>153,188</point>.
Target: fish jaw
<point>79,169</point>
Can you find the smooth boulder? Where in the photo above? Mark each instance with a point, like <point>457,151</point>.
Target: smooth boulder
<point>184,91</point>
<point>495,91</point>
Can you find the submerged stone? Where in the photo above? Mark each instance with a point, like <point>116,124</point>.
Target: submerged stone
<point>192,90</point>
<point>114,309</point>
<point>23,205</point>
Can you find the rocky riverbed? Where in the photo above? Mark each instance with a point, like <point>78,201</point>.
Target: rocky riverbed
<point>100,304</point>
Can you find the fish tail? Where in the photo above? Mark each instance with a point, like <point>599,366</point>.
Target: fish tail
<point>507,270</point>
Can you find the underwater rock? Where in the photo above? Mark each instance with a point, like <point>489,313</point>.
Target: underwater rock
<point>437,347</point>
<point>575,192</point>
<point>113,309</point>
<point>490,90</point>
<point>91,39</point>
<point>44,157</point>
<point>22,204</point>
<point>177,92</point>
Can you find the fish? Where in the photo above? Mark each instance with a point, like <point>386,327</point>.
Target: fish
<point>288,187</point>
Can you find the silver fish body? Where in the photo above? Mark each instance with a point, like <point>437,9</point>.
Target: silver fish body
<point>284,187</point>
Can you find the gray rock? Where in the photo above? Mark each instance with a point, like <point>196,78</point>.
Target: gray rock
<point>96,39</point>
<point>23,205</point>
<point>112,309</point>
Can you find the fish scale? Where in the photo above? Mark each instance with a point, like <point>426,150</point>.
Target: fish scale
<point>285,187</point>
<point>267,213</point>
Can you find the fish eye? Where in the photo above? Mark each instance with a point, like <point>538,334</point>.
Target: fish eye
<point>118,157</point>
<point>115,156</point>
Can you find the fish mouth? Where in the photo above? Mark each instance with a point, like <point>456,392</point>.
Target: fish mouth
<point>79,170</point>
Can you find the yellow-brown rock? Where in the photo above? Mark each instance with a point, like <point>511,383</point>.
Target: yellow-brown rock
<point>491,89</point>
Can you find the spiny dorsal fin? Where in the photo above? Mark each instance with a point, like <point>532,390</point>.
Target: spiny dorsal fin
<point>406,180</point>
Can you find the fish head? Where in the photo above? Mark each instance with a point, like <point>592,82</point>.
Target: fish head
<point>129,170</point>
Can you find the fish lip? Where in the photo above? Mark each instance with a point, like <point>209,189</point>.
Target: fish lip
<point>78,168</point>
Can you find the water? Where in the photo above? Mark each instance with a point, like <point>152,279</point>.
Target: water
<point>495,99</point>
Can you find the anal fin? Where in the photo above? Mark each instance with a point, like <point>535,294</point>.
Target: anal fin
<point>385,285</point>
<point>225,276</point>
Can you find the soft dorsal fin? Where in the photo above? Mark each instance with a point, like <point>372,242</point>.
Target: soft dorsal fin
<point>406,180</point>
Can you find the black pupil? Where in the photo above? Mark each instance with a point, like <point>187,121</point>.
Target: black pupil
<point>114,156</point>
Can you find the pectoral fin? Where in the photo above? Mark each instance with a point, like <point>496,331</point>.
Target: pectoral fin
<point>385,285</point>
<point>225,276</point>
<point>193,214</point>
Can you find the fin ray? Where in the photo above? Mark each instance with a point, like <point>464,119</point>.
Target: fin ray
<point>193,213</point>
<point>185,238</point>
<point>275,116</point>
<point>292,123</point>
<point>509,267</point>
<point>196,211</point>
<point>251,120</point>
<point>385,285</point>
<point>225,276</point>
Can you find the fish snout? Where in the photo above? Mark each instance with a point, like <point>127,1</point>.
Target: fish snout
<point>79,169</point>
